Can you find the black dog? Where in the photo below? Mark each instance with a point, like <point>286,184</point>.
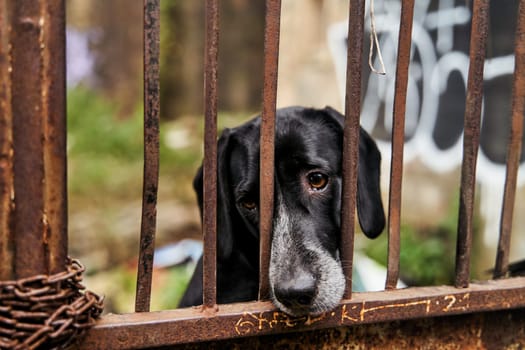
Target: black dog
<point>306,276</point>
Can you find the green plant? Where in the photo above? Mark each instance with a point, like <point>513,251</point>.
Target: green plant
<point>425,257</point>
<point>427,254</point>
<point>105,154</point>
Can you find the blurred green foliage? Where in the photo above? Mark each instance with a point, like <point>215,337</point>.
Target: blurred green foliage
<point>427,253</point>
<point>119,283</point>
<point>169,294</point>
<point>105,167</point>
<point>94,131</point>
<point>106,153</point>
<point>103,154</point>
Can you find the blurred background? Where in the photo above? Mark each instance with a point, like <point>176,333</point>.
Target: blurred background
<point>104,53</point>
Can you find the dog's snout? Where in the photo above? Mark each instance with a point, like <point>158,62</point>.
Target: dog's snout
<point>296,292</point>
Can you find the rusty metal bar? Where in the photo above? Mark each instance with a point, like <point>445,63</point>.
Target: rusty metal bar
<point>398,141</point>
<point>351,137</point>
<point>271,59</point>
<point>6,151</point>
<point>210,155</point>
<point>259,318</point>
<point>478,38</point>
<point>151,153</point>
<point>514,147</point>
<point>55,147</point>
<point>39,165</point>
<point>28,164</point>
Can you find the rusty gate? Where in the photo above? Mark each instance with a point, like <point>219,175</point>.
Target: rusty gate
<point>33,207</point>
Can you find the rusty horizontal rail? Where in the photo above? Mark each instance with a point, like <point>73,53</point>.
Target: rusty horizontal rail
<point>142,330</point>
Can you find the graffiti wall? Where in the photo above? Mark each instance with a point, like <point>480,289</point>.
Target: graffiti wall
<point>437,82</point>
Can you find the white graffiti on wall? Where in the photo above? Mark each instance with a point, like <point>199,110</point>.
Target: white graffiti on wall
<point>433,61</point>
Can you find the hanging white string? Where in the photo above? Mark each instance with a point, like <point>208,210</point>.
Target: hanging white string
<point>374,42</point>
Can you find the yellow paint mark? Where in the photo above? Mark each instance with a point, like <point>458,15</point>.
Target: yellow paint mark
<point>345,314</point>
<point>453,300</point>
<point>250,322</point>
<point>426,302</point>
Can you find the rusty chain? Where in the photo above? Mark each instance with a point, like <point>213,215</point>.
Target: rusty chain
<point>46,312</point>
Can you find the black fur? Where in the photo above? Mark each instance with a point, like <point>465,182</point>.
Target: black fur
<point>307,141</point>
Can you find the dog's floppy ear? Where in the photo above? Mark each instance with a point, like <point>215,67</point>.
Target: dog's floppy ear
<point>369,204</point>
<point>224,198</point>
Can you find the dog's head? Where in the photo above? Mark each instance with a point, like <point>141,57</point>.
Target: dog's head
<point>306,275</point>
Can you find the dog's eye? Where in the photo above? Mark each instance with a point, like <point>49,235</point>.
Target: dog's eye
<point>317,181</point>
<point>248,204</point>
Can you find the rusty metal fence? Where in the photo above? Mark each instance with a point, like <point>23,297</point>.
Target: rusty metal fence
<point>33,194</point>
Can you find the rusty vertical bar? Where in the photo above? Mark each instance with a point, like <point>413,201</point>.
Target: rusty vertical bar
<point>6,150</point>
<point>38,104</point>
<point>209,214</point>
<point>514,147</point>
<point>398,140</point>
<point>271,60</point>
<point>351,137</point>
<point>28,167</point>
<point>55,157</point>
<point>478,36</point>
<point>151,153</point>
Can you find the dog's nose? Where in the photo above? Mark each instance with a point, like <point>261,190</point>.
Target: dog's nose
<point>296,292</point>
